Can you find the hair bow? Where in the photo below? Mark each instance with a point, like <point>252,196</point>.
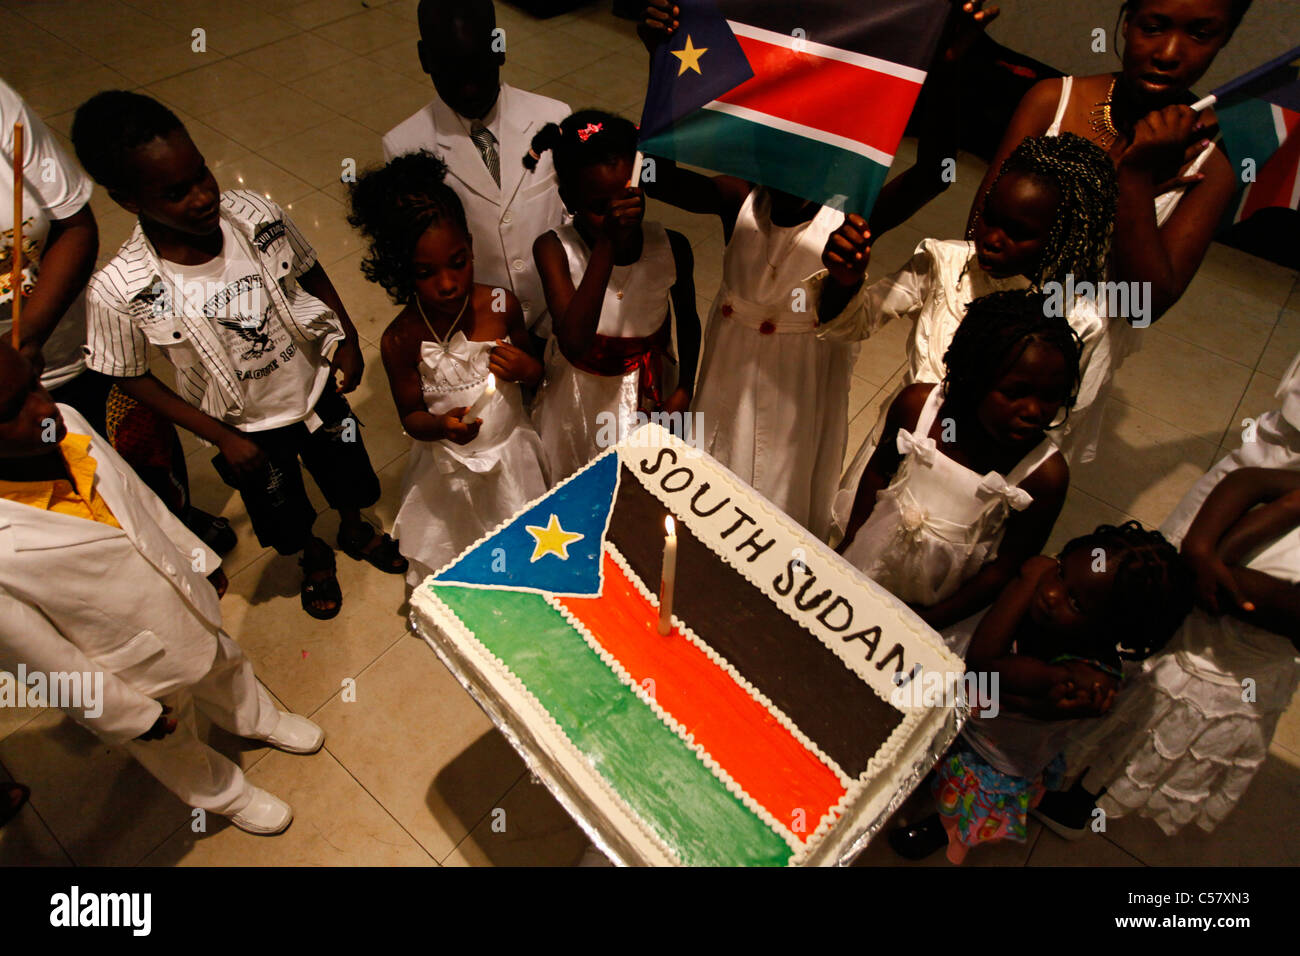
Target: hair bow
<point>590,130</point>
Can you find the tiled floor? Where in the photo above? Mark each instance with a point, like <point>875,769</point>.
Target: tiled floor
<point>412,771</point>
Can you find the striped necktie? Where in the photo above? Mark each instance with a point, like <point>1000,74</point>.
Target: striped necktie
<point>486,143</point>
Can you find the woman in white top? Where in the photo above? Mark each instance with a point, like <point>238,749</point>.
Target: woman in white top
<point>1173,184</point>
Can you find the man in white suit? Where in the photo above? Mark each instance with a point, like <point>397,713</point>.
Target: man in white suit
<point>482,129</point>
<point>101,586</point>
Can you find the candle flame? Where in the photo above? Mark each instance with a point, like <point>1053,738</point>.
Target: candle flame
<point>669,526</point>
<point>492,383</point>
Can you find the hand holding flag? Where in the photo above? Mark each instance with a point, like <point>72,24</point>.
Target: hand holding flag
<point>1259,113</point>
<point>774,93</point>
<point>1277,81</point>
<point>847,251</point>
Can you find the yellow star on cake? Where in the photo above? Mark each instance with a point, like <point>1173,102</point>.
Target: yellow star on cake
<point>690,56</point>
<point>552,539</point>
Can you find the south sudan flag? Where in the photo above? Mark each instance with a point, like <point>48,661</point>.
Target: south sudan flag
<point>1259,114</point>
<point>810,98</point>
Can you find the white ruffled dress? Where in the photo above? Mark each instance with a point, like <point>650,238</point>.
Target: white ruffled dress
<point>454,494</point>
<point>1190,731</point>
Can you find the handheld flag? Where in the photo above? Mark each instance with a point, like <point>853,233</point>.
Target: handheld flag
<point>808,98</point>
<point>1277,82</point>
<point>1259,115</point>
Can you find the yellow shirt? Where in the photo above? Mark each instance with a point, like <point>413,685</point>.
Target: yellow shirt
<point>77,497</point>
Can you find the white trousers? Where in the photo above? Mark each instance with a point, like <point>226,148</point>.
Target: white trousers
<point>232,698</point>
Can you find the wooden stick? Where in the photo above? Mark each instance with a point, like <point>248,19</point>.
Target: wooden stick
<point>16,277</point>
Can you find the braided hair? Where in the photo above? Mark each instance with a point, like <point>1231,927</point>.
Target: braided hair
<point>1153,587</point>
<point>587,138</point>
<point>109,125</point>
<point>393,206</point>
<point>994,334</point>
<point>1084,176</point>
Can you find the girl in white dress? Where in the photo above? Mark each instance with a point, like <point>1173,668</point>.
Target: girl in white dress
<point>1047,218</point>
<point>466,474</point>
<point>1186,737</point>
<point>965,484</point>
<point>609,279</point>
<point>772,399</point>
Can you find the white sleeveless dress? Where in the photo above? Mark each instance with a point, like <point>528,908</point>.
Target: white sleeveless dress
<point>938,522</point>
<point>773,397</point>
<point>453,494</point>
<point>579,414</point>
<point>1183,742</point>
<point>933,290</point>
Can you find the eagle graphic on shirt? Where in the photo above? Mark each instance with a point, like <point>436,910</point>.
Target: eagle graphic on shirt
<point>252,330</point>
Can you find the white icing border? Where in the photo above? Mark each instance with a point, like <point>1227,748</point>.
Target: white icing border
<point>866,803</point>
<point>613,805</point>
<point>679,729</point>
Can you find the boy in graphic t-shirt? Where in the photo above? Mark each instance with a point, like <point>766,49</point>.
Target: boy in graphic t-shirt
<point>231,293</point>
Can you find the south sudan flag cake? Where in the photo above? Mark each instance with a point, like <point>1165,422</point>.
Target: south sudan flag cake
<point>771,725</point>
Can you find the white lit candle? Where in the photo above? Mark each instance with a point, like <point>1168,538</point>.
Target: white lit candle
<point>485,396</point>
<point>668,577</point>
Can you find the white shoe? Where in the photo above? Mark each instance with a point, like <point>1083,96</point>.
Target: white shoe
<point>296,735</point>
<point>265,815</point>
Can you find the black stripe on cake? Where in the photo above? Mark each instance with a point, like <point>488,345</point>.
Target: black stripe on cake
<point>830,704</point>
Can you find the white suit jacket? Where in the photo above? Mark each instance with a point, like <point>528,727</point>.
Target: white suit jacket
<point>81,596</point>
<point>503,220</point>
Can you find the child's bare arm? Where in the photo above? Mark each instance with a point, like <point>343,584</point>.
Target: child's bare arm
<point>720,196</point>
<point>242,455</point>
<point>688,319</point>
<point>996,632</point>
<point>903,412</point>
<point>1275,603</point>
<point>512,360</point>
<point>1026,533</point>
<point>347,357</point>
<point>575,312</point>
<point>1225,529</point>
<point>845,256</point>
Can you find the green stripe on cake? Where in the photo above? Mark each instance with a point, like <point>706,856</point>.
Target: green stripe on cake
<point>647,764</point>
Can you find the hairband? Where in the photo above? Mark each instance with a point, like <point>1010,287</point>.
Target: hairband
<point>533,153</point>
<point>589,131</point>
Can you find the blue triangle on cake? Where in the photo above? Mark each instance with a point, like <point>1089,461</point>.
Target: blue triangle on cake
<point>553,547</point>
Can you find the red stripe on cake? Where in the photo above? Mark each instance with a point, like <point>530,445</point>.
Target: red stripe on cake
<point>812,91</point>
<point>743,736</point>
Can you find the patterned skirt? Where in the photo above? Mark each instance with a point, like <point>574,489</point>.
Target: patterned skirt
<point>980,804</point>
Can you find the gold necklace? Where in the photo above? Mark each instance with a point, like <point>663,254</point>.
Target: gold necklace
<point>444,341</point>
<point>1103,127</point>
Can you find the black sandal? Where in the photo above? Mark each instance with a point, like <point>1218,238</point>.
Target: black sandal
<point>212,530</point>
<point>324,589</point>
<point>384,555</point>
<point>920,839</point>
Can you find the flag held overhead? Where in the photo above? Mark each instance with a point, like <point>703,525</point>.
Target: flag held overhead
<point>809,98</point>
